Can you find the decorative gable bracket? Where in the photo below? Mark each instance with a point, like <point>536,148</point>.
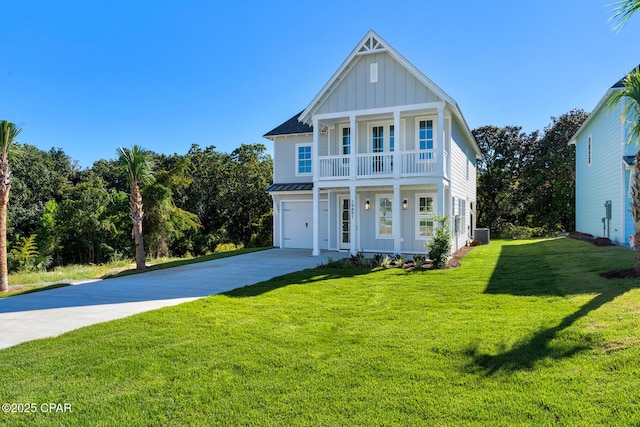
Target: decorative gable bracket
<point>371,45</point>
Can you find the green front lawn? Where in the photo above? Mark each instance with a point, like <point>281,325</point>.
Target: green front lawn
<point>524,333</point>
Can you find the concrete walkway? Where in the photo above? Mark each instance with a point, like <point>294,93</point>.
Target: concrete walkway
<point>56,311</point>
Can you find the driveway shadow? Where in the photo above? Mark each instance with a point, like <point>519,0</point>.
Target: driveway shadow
<point>527,270</point>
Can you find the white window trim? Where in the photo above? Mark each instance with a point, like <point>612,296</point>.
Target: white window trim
<point>377,208</point>
<point>589,150</point>
<point>297,159</point>
<point>434,121</point>
<point>386,124</point>
<point>417,213</point>
<point>339,138</point>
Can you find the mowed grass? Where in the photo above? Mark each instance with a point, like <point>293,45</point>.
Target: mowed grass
<point>524,333</point>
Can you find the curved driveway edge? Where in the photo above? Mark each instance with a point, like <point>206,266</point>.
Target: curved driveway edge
<point>56,311</point>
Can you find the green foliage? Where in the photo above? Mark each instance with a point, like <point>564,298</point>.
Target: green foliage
<point>24,256</point>
<point>418,260</point>
<point>439,246</point>
<point>528,180</point>
<point>510,231</point>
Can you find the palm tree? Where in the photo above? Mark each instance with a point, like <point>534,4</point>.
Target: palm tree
<point>138,165</point>
<point>8,132</point>
<point>630,92</point>
<point>622,11</point>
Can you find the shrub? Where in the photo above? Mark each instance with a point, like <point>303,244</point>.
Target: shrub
<point>418,260</point>
<point>439,247</point>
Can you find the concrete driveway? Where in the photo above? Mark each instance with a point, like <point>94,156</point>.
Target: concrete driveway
<point>53,312</point>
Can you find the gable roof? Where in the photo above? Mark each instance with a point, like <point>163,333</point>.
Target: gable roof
<point>617,86</point>
<point>371,43</point>
<point>293,126</point>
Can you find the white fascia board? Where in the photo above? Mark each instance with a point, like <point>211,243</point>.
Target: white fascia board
<point>380,111</point>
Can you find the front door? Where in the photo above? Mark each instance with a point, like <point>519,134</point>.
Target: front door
<point>344,222</point>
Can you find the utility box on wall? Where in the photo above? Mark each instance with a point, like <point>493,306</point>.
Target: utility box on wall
<point>482,235</point>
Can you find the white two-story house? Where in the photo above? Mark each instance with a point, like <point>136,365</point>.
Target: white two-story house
<point>372,159</point>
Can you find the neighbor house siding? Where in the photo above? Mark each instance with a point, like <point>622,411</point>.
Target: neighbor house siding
<point>601,180</point>
<point>395,86</point>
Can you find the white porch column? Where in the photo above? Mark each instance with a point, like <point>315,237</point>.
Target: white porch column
<point>316,220</point>
<point>315,150</point>
<point>315,163</point>
<point>396,225</point>
<point>441,142</point>
<point>398,145</point>
<point>441,207</point>
<point>354,208</point>
<point>353,154</point>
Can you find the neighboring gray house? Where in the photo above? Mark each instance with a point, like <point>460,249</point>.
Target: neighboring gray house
<point>604,161</point>
<point>368,163</point>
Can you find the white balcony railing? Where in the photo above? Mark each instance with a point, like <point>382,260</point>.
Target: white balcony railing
<point>377,165</point>
<point>415,163</point>
<point>334,166</point>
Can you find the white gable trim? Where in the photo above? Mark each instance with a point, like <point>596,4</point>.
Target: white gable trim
<point>373,43</point>
<point>595,111</point>
<point>328,88</point>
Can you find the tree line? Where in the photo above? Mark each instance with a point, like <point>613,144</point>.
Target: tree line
<point>61,214</point>
<point>526,182</point>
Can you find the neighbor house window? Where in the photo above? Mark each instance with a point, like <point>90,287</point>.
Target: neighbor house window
<point>425,139</point>
<point>589,150</point>
<point>424,216</point>
<point>304,159</point>
<point>384,216</point>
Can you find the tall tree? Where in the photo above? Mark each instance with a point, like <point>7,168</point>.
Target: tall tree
<point>8,132</point>
<point>630,93</point>
<point>550,175</point>
<point>138,166</point>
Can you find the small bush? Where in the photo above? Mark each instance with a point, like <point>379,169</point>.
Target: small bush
<point>418,260</point>
<point>439,247</point>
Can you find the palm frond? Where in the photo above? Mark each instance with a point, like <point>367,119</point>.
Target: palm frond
<point>8,134</point>
<point>630,93</point>
<point>622,11</point>
<point>138,164</point>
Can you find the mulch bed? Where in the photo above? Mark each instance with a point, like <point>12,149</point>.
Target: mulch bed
<point>458,255</point>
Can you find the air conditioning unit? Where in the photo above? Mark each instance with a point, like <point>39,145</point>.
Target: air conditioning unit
<point>482,235</point>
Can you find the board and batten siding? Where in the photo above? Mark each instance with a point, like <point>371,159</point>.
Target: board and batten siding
<point>463,182</point>
<point>603,179</point>
<point>395,86</point>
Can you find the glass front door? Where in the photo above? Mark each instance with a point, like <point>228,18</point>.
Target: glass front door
<point>345,223</point>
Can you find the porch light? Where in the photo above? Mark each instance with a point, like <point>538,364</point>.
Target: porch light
<point>405,204</point>
<point>367,205</point>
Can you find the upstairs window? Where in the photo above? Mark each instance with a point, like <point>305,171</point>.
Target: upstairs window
<point>392,139</point>
<point>377,139</point>
<point>425,139</point>
<point>346,141</point>
<point>304,159</point>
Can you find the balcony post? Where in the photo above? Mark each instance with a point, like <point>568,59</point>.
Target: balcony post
<point>353,214</point>
<point>441,140</point>
<point>353,154</point>
<point>398,145</point>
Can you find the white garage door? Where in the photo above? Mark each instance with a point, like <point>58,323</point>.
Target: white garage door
<point>297,225</point>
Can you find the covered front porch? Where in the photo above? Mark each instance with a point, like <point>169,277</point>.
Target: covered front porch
<point>385,217</point>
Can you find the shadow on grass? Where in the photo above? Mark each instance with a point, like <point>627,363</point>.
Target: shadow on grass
<point>303,277</point>
<point>535,270</point>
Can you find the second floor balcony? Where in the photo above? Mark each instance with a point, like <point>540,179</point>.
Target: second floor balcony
<point>379,165</point>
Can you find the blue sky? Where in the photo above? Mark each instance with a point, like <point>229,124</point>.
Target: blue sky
<point>90,76</point>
